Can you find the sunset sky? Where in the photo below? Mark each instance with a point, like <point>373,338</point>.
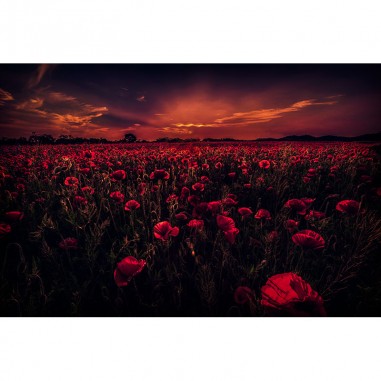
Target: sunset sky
<point>189,101</point>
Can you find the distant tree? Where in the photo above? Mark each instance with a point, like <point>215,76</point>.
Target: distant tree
<point>130,138</point>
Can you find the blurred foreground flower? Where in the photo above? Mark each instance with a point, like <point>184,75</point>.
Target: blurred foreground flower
<point>289,294</point>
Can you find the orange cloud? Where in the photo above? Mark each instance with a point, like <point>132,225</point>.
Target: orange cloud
<point>175,130</point>
<point>5,96</point>
<point>58,112</point>
<point>266,115</point>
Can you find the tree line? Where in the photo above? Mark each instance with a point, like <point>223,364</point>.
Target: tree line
<point>68,139</point>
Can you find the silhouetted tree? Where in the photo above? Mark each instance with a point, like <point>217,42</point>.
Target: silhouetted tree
<point>130,138</point>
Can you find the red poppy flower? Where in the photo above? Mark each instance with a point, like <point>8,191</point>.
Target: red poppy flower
<point>88,190</point>
<point>231,234</point>
<point>272,236</point>
<point>89,155</point>
<point>314,215</point>
<point>85,171</point>
<point>308,201</point>
<point>171,198</point>
<point>159,174</point>
<point>214,207</point>
<point>71,181</point>
<point>181,216</point>
<point>117,196</point>
<point>289,294</point>
<point>126,269</point>
<point>243,295</point>
<point>69,244</point>
<point>232,175</point>
<point>245,212</point>
<point>163,230</point>
<point>142,188</point>
<point>218,165</point>
<point>297,205</point>
<point>131,205</point>
<point>348,206</point>
<point>184,193</point>
<point>79,200</point>
<point>5,229</point>
<point>225,223</point>
<point>120,174</point>
<point>308,239</point>
<point>247,186</point>
<point>291,225</point>
<point>198,187</point>
<point>229,202</point>
<point>264,164</point>
<point>263,214</point>
<point>193,200</point>
<point>14,216</point>
<point>196,224</point>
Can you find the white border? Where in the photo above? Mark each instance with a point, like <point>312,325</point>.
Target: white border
<point>151,31</point>
<point>190,349</point>
<point>196,31</point>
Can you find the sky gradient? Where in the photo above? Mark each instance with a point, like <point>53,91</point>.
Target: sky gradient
<point>189,101</point>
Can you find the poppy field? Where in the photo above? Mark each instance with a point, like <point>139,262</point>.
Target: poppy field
<point>190,229</point>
